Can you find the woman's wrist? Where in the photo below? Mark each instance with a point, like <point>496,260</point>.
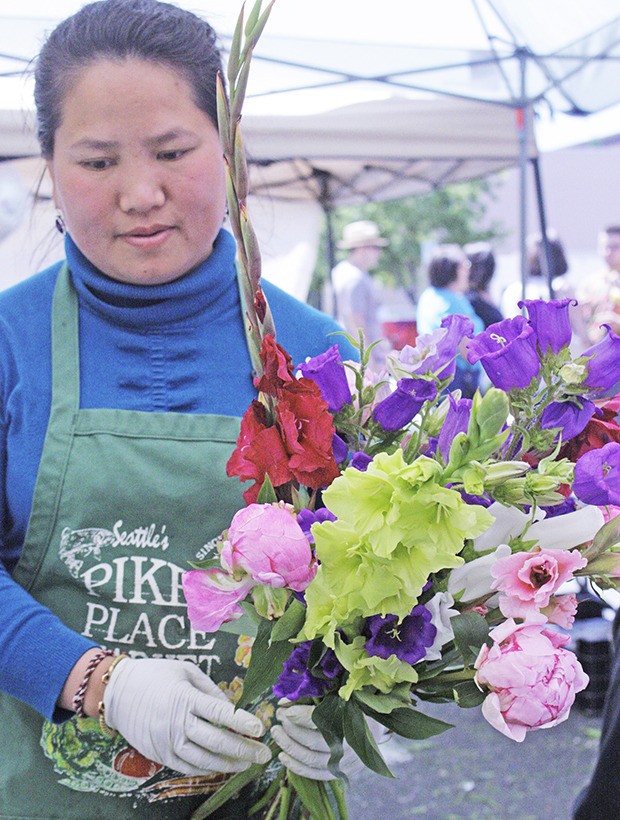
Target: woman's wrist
<point>93,692</point>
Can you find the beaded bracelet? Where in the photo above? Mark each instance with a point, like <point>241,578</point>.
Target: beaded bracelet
<point>106,730</point>
<point>78,698</point>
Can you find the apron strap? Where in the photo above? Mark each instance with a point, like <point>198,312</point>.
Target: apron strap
<point>65,346</point>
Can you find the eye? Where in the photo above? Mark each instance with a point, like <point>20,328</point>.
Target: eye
<point>97,164</point>
<point>173,153</point>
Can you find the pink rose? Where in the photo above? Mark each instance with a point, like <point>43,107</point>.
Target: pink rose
<point>213,597</point>
<point>531,679</point>
<point>266,542</point>
<point>527,580</point>
<point>562,610</point>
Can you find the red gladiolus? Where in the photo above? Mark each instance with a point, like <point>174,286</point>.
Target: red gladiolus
<point>307,431</point>
<point>259,452</point>
<point>600,430</point>
<point>277,368</point>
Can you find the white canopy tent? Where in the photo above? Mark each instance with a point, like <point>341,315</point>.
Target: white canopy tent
<point>320,55</point>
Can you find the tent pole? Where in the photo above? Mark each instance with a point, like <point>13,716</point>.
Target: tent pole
<point>545,257</point>
<point>523,121</point>
<point>330,246</point>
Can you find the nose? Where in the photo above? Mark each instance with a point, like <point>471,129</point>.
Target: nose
<point>141,189</point>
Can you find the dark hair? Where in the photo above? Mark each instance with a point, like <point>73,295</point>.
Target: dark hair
<point>118,30</point>
<point>612,229</point>
<point>557,259</point>
<point>444,264</point>
<point>482,260</point>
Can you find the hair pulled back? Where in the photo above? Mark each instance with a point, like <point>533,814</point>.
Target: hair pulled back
<point>444,265</point>
<point>117,30</point>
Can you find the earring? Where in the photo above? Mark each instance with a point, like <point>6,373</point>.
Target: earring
<point>60,222</point>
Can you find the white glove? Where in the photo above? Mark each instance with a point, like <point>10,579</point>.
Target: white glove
<point>174,714</point>
<point>304,749</point>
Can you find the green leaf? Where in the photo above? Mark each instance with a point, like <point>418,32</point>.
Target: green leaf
<point>230,789</point>
<point>470,633</point>
<point>467,694</point>
<point>360,738</point>
<point>265,665</point>
<point>313,796</point>
<point>208,563</point>
<point>408,722</point>
<point>245,625</point>
<point>267,494</point>
<point>608,536</point>
<point>378,702</point>
<point>290,624</point>
<point>328,717</point>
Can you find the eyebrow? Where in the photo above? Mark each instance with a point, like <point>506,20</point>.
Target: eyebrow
<point>111,145</point>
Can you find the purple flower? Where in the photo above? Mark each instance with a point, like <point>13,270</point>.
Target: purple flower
<point>407,640</point>
<point>433,352</point>
<point>306,518</point>
<point>604,367</point>
<point>456,421</point>
<point>551,322</point>
<point>569,416</point>
<point>507,352</point>
<point>327,370</point>
<point>597,476</point>
<point>399,408</point>
<point>297,681</point>
<point>567,506</point>
<point>339,448</point>
<point>360,461</point>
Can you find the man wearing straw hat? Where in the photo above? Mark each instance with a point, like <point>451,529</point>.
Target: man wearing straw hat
<point>354,290</point>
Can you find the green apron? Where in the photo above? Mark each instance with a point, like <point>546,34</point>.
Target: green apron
<point>123,501</point>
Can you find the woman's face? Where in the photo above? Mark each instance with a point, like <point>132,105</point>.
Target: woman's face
<point>138,172</point>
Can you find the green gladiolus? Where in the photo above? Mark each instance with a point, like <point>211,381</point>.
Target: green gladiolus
<point>382,674</point>
<point>396,526</point>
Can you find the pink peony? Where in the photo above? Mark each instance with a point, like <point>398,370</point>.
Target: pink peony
<point>531,679</point>
<point>213,597</point>
<point>266,542</point>
<point>527,580</point>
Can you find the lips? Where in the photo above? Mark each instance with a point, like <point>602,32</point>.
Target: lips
<point>147,236</point>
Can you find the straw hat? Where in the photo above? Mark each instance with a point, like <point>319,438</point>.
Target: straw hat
<point>361,234</point>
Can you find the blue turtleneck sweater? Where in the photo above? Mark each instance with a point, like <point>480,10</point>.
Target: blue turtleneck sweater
<point>173,347</point>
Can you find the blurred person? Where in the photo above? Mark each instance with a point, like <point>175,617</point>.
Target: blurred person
<point>448,275</point>
<point>354,291</point>
<point>600,293</point>
<point>481,272</point>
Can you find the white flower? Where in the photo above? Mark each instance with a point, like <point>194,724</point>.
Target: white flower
<point>509,523</point>
<point>440,608</point>
<point>474,578</point>
<point>563,532</point>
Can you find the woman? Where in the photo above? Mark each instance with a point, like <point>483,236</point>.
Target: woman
<point>481,272</point>
<point>123,376</point>
<point>448,275</point>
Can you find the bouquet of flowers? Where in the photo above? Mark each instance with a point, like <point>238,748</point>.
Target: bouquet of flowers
<point>402,544</point>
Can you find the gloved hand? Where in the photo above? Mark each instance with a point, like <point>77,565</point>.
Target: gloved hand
<point>174,714</point>
<point>304,749</point>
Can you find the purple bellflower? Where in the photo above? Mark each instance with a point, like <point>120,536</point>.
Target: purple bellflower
<point>306,518</point>
<point>597,476</point>
<point>604,366</point>
<point>360,461</point>
<point>507,352</point>
<point>327,370</point>
<point>408,640</point>
<point>456,421</point>
<point>296,680</point>
<point>400,407</point>
<point>568,416</point>
<point>551,322</point>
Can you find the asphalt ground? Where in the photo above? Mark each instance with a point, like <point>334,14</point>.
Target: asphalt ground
<point>473,771</point>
